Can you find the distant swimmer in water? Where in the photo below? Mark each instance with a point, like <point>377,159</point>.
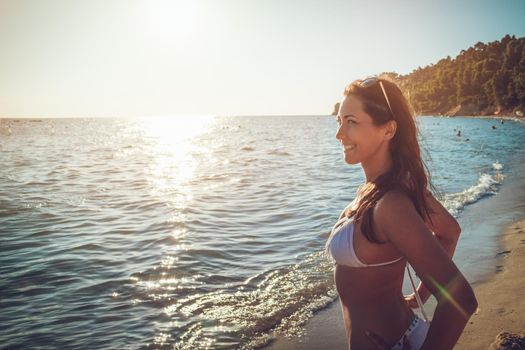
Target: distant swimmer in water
<point>459,133</point>
<point>493,127</point>
<point>394,220</point>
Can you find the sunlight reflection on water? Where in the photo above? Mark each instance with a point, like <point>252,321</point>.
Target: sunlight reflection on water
<point>192,232</point>
<point>171,143</point>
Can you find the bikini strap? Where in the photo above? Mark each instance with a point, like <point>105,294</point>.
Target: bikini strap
<point>385,263</point>
<point>418,299</point>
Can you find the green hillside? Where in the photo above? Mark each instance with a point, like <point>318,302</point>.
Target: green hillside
<point>485,79</point>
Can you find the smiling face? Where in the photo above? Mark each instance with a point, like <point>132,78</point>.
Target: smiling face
<point>362,140</point>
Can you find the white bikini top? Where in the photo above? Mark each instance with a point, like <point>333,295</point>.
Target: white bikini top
<point>340,245</point>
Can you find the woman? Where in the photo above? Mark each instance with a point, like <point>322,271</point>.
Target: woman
<point>394,220</point>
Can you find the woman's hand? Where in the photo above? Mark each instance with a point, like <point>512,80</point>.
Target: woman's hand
<point>381,344</point>
<point>412,301</point>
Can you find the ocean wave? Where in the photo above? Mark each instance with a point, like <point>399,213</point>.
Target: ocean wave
<point>211,243</point>
<point>250,314</point>
<point>497,166</point>
<point>278,152</point>
<point>487,185</point>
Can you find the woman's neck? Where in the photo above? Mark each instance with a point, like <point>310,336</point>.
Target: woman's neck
<point>377,166</point>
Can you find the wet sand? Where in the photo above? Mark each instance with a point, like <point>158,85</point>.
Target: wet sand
<point>500,298</point>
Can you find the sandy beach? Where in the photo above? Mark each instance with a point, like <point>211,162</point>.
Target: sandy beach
<point>500,299</point>
<point>501,305</point>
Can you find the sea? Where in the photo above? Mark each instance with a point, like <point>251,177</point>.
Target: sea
<point>206,232</point>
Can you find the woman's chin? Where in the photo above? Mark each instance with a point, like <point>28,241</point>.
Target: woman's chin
<point>351,161</point>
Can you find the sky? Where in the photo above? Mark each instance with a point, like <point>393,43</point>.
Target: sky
<point>109,58</point>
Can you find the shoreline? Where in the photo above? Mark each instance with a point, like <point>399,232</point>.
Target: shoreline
<point>496,117</point>
<point>498,294</point>
<point>484,227</point>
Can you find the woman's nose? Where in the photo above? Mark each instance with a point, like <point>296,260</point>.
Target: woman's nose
<point>338,133</point>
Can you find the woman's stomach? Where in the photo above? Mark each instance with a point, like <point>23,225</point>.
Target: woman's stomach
<point>372,299</point>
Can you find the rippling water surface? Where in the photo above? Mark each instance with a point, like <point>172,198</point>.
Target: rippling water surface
<point>192,232</point>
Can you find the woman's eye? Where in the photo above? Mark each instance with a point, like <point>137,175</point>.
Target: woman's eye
<point>350,121</point>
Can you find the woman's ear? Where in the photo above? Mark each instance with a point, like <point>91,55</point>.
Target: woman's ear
<point>390,129</point>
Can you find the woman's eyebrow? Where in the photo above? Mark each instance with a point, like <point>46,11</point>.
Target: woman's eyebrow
<point>346,116</point>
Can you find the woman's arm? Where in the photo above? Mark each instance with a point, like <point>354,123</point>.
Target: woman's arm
<point>444,226</point>
<point>446,230</point>
<point>396,217</point>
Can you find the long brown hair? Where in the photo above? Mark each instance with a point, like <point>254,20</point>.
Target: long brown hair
<point>409,172</point>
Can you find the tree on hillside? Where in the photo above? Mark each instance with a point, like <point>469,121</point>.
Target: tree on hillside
<point>490,77</point>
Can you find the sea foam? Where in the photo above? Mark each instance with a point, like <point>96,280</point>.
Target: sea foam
<point>487,185</point>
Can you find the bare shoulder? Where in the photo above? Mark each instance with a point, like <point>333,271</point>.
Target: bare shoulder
<point>395,215</point>
<point>392,199</point>
<point>394,202</point>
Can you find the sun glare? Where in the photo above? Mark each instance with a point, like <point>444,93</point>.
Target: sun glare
<point>172,18</point>
<point>174,149</point>
<point>175,130</point>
